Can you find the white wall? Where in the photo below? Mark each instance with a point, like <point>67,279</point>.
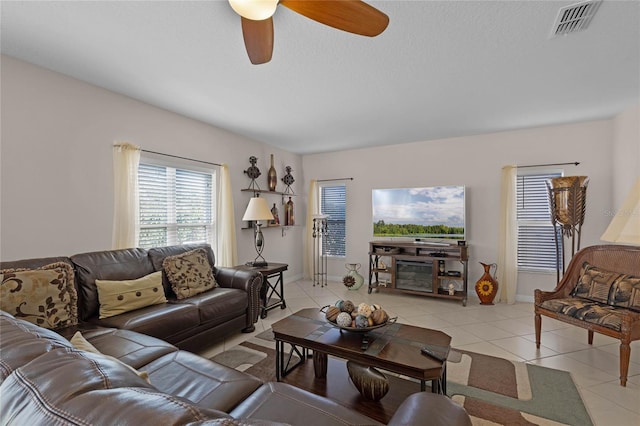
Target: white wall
<point>56,174</point>
<point>56,165</point>
<point>475,162</point>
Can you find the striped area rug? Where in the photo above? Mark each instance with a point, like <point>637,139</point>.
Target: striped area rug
<point>492,390</point>
<point>498,391</point>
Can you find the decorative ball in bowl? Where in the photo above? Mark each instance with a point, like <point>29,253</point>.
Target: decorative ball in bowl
<point>345,315</point>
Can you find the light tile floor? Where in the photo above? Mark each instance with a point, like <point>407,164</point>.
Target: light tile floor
<point>501,330</point>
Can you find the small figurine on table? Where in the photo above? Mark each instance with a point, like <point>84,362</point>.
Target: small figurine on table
<point>452,289</point>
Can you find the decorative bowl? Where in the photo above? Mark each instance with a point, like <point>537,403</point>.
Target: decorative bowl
<point>359,329</point>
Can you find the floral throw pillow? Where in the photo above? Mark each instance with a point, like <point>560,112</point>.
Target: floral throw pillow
<point>189,273</point>
<point>45,296</point>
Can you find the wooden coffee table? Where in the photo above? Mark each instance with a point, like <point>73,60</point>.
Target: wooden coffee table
<point>395,347</point>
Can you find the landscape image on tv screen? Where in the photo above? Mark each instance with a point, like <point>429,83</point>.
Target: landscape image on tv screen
<point>433,212</point>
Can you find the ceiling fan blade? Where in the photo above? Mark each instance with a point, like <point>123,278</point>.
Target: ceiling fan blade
<point>353,16</point>
<point>258,39</point>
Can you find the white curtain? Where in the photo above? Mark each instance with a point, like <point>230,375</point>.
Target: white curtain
<point>312,209</point>
<point>126,226</point>
<point>508,245</point>
<point>227,251</point>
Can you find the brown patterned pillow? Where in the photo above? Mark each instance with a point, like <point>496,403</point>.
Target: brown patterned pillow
<point>189,273</point>
<point>613,288</point>
<point>626,292</point>
<point>118,297</point>
<point>45,296</point>
<point>595,283</point>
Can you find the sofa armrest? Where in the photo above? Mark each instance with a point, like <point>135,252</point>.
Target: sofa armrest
<point>249,281</point>
<point>287,404</point>
<point>540,296</point>
<point>567,282</point>
<point>564,287</point>
<point>439,409</point>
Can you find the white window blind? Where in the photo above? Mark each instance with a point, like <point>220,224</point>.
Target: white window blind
<point>333,202</point>
<point>177,206</point>
<point>536,241</point>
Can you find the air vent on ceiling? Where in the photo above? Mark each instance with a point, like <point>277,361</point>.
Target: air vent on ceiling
<point>575,17</point>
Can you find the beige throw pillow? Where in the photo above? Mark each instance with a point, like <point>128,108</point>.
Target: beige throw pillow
<point>189,273</point>
<point>45,296</point>
<point>117,297</point>
<point>79,342</point>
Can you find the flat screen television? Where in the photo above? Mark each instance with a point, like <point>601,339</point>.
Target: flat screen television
<point>436,212</point>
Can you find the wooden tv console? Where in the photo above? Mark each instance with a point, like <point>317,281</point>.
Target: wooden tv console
<point>422,268</point>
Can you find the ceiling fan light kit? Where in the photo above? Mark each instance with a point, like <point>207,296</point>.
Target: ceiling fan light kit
<point>352,16</point>
<point>256,10</point>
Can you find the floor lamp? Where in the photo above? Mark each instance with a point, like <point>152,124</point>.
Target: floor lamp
<point>258,210</point>
<point>567,201</point>
<point>319,257</point>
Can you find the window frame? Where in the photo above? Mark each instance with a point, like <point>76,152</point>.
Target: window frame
<point>172,227</point>
<point>546,222</point>
<point>343,253</point>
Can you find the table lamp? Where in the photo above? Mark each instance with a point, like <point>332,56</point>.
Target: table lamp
<point>258,210</point>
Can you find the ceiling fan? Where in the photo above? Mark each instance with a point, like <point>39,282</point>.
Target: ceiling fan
<point>353,16</point>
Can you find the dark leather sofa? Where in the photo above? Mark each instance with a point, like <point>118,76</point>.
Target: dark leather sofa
<point>188,323</point>
<point>45,380</point>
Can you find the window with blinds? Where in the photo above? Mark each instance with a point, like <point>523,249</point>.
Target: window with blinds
<point>536,241</point>
<point>177,206</point>
<point>333,202</point>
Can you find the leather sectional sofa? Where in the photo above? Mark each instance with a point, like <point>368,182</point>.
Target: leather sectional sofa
<point>189,323</point>
<point>45,380</point>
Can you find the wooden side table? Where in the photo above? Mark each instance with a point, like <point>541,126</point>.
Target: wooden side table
<point>272,285</point>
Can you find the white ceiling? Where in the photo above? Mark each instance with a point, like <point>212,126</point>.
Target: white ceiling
<point>441,69</point>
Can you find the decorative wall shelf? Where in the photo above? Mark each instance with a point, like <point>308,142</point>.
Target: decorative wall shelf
<point>256,192</point>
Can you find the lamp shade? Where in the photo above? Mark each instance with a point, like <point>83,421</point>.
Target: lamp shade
<point>625,225</point>
<point>256,10</point>
<point>257,210</point>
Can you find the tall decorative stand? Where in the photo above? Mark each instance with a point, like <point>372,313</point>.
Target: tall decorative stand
<point>567,201</point>
<point>319,256</point>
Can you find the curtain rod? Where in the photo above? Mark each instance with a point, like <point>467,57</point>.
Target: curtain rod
<point>575,163</point>
<point>331,180</point>
<point>182,158</point>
